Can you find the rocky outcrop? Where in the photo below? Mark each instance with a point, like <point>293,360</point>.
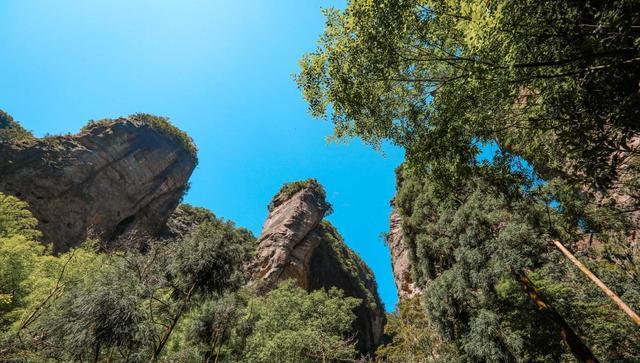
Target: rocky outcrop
<point>284,249</point>
<point>400,258</point>
<point>112,177</point>
<point>296,243</point>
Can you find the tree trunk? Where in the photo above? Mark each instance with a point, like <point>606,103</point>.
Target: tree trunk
<point>580,351</point>
<point>165,338</point>
<point>612,295</point>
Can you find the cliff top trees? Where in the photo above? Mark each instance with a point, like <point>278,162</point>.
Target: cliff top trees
<point>11,130</point>
<point>159,123</point>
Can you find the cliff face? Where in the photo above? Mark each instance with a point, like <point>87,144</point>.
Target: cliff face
<point>114,176</point>
<point>296,243</point>
<point>400,258</point>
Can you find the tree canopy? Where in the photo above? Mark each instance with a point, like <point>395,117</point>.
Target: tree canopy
<point>555,81</point>
<point>554,85</point>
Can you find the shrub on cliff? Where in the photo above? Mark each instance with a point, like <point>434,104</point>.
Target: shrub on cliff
<point>11,130</point>
<point>162,124</point>
<point>289,189</point>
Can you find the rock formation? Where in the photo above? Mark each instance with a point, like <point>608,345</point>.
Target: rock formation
<point>400,258</point>
<point>121,181</point>
<point>296,243</point>
<point>115,175</point>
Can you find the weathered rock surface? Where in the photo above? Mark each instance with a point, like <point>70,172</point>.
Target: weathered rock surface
<point>400,258</point>
<point>114,176</point>
<point>296,243</point>
<point>284,249</point>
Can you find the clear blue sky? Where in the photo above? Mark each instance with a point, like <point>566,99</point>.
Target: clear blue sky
<point>221,70</point>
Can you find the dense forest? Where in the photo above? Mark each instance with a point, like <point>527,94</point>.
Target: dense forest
<point>530,255</point>
<point>554,87</point>
<point>178,301</point>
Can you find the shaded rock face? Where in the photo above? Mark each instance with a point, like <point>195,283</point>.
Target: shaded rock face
<point>109,179</point>
<point>182,221</point>
<point>296,243</point>
<point>400,258</point>
<point>334,264</point>
<point>185,219</point>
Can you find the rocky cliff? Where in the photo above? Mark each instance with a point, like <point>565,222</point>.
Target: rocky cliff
<point>297,243</point>
<point>400,258</point>
<point>113,176</point>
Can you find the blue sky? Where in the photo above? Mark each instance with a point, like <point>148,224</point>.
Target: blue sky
<point>222,71</point>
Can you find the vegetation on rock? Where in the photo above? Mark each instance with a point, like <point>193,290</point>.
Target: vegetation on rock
<point>351,264</point>
<point>159,123</point>
<point>11,130</point>
<point>289,189</point>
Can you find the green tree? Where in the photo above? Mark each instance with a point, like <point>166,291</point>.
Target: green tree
<point>556,81</point>
<point>473,243</point>
<point>412,337</point>
<point>207,261</point>
<point>555,86</point>
<point>125,306</point>
<point>206,329</point>
<point>291,325</point>
<point>19,256</point>
<point>101,316</point>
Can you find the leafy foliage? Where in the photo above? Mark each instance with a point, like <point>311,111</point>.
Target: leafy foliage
<point>555,86</point>
<point>19,254</point>
<point>467,244</point>
<point>555,81</point>
<point>291,325</point>
<point>10,130</point>
<point>102,312</point>
<point>179,301</point>
<point>123,306</point>
<point>15,218</point>
<point>468,241</point>
<point>209,258</point>
<point>413,337</point>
